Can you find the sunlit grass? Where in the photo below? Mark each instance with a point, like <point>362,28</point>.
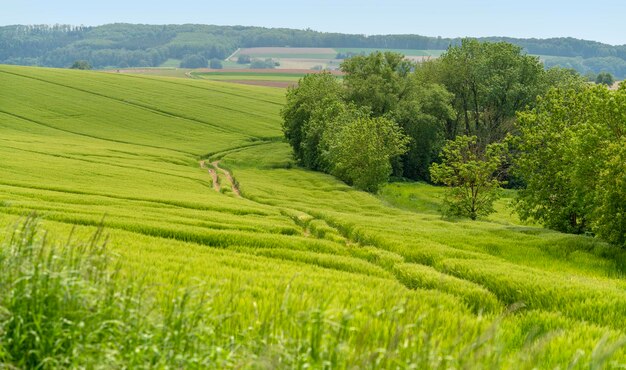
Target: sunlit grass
<point>302,269</point>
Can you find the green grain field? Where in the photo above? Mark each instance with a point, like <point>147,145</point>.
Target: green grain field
<point>303,271</point>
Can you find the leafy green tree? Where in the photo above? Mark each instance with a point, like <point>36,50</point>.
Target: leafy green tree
<point>360,151</point>
<point>605,78</point>
<point>243,59</point>
<point>563,78</point>
<point>422,114</point>
<point>568,157</point>
<point>327,118</point>
<point>194,61</point>
<point>263,64</point>
<point>385,84</point>
<point>314,93</point>
<point>546,162</point>
<point>490,82</point>
<point>81,64</point>
<point>471,174</point>
<point>377,81</point>
<point>215,64</point>
<point>609,217</point>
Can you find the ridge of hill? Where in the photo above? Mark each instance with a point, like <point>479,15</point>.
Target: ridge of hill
<point>302,261</point>
<point>135,45</point>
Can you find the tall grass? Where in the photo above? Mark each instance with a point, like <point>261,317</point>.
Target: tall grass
<point>66,305</point>
<point>302,271</point>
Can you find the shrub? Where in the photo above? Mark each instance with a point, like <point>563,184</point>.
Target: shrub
<point>360,151</point>
<point>471,175</point>
<point>215,64</point>
<point>194,61</point>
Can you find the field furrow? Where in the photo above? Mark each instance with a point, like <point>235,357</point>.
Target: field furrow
<point>193,185</point>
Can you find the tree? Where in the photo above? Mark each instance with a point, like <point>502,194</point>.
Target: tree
<point>360,151</point>
<point>377,80</point>
<point>194,61</point>
<point>471,174</point>
<point>605,78</point>
<point>215,64</point>
<point>81,64</point>
<point>313,92</point>
<point>243,59</point>
<point>422,113</point>
<point>490,82</point>
<point>569,154</point>
<point>263,64</point>
<point>609,217</point>
<point>563,78</point>
<point>545,162</point>
<point>384,83</point>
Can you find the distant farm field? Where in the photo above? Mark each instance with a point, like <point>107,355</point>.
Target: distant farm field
<point>307,58</point>
<point>288,59</point>
<point>269,77</point>
<point>196,187</point>
<point>269,52</point>
<point>407,52</point>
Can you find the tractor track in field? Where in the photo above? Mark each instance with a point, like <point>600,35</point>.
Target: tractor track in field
<point>214,170</point>
<point>213,174</point>
<point>229,177</point>
<point>396,265</point>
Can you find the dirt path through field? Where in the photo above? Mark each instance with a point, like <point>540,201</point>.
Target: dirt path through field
<point>211,171</point>
<point>229,177</point>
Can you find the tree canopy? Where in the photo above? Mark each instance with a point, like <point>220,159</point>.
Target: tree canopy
<point>389,115</point>
<point>314,93</point>
<point>135,45</point>
<point>570,158</point>
<point>605,78</point>
<point>490,82</point>
<point>215,64</point>
<point>380,85</point>
<point>81,64</point>
<point>472,175</point>
<point>360,151</point>
<point>194,61</point>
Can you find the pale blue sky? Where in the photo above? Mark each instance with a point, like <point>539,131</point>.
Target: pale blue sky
<point>600,20</point>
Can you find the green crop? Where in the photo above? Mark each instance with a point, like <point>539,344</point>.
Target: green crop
<point>299,271</point>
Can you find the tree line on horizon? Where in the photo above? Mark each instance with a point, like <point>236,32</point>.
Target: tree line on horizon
<point>481,116</point>
<point>133,45</point>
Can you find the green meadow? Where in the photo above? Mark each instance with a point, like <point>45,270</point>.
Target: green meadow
<point>302,270</point>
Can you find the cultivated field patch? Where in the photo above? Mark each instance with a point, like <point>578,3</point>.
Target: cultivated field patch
<point>301,268</point>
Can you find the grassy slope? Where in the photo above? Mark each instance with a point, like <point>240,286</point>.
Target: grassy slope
<point>78,145</point>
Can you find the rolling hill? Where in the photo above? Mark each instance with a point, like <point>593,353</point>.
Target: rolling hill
<point>193,183</point>
<point>138,45</point>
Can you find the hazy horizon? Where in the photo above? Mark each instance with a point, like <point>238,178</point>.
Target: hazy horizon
<point>601,20</point>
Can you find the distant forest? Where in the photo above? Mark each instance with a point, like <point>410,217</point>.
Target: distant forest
<point>135,45</point>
